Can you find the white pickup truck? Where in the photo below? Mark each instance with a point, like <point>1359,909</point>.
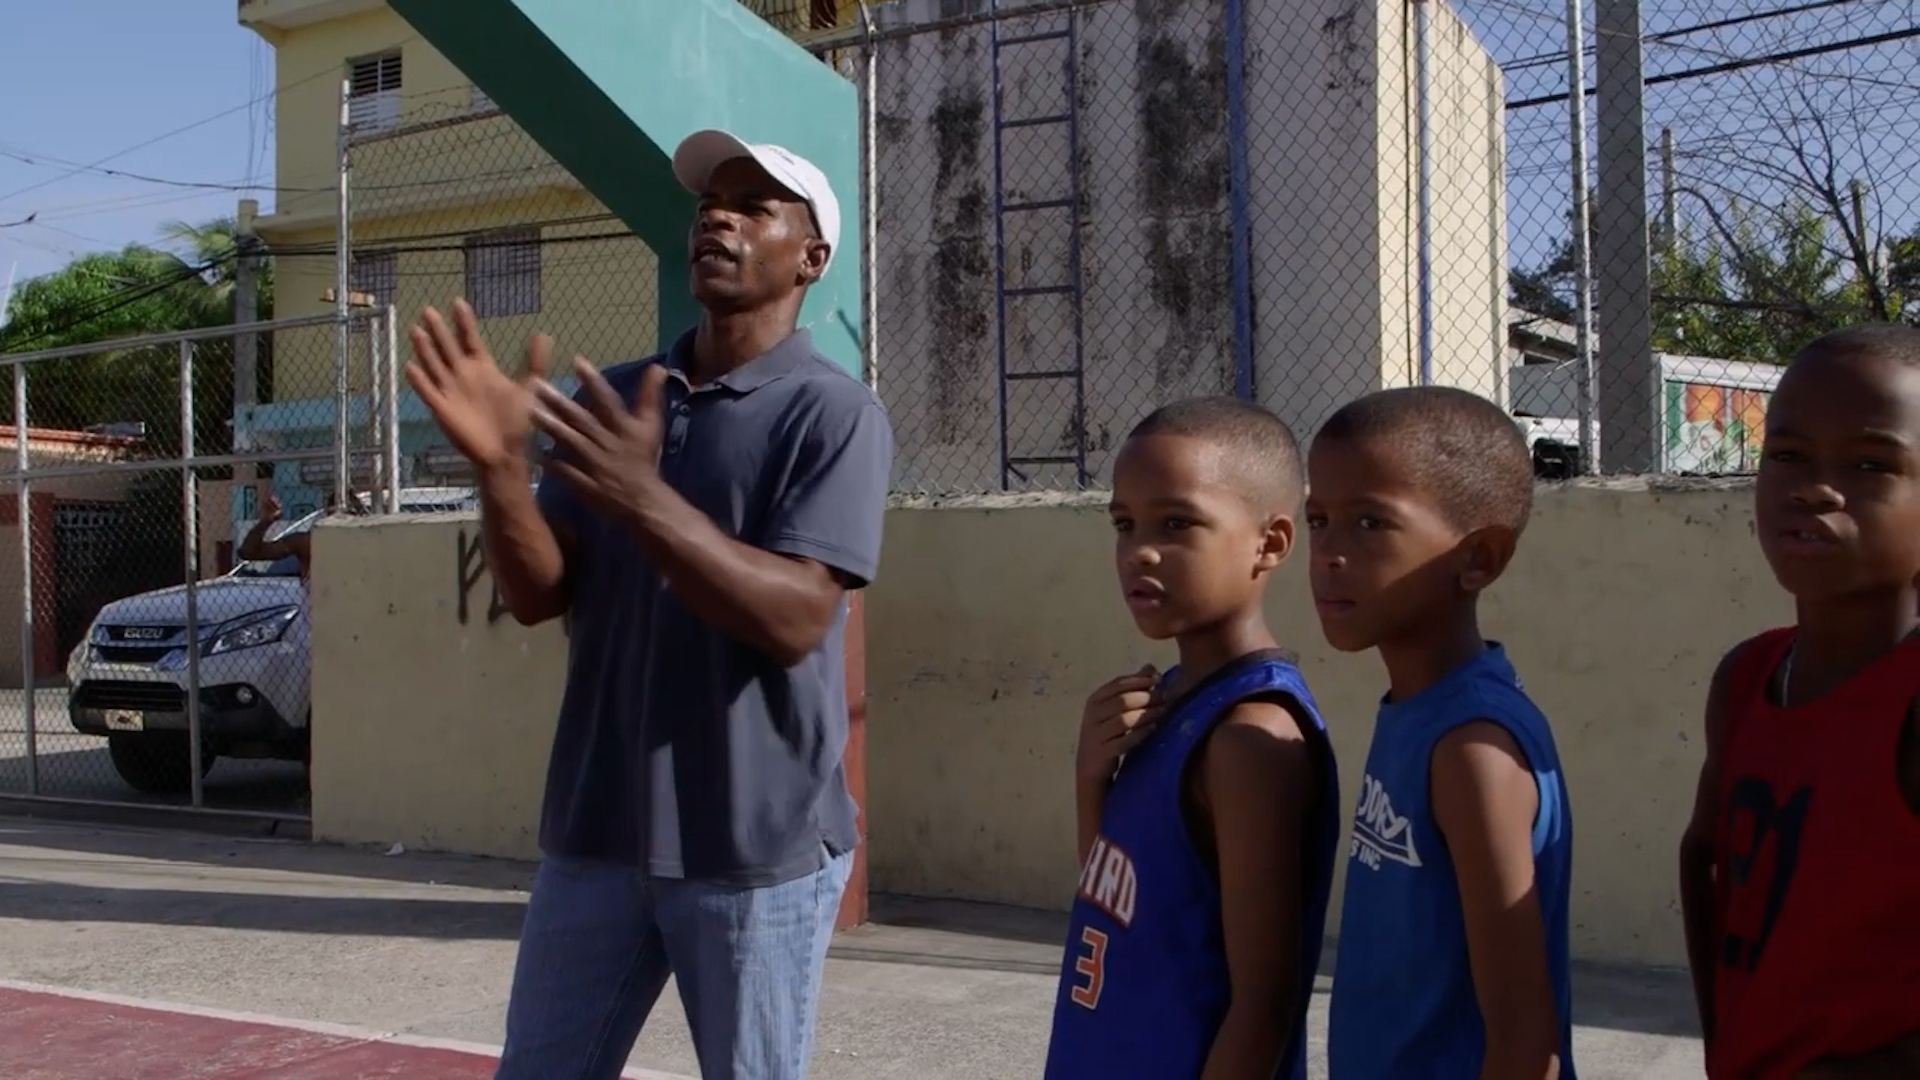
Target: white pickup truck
<point>129,675</point>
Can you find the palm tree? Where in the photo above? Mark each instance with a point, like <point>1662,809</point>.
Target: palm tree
<point>213,244</point>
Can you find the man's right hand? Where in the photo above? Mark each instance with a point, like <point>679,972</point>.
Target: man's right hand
<point>486,415</point>
<point>1117,717</point>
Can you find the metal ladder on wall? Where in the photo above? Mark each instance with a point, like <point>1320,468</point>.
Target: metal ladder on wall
<point>1070,369</point>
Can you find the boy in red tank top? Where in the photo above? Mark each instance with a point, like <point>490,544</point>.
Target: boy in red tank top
<point>1800,871</point>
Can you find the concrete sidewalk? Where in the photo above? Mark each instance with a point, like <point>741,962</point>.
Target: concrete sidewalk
<point>423,945</point>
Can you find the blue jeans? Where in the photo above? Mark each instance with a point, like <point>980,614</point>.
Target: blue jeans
<point>600,940</point>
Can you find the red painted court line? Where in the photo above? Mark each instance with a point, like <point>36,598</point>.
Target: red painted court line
<point>49,1033</point>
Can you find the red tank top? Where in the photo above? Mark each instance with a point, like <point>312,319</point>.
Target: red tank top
<point>1818,870</point>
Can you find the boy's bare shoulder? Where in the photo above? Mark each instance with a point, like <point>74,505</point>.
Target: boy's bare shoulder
<point>1475,746</point>
<point>1259,739</point>
<point>1258,719</point>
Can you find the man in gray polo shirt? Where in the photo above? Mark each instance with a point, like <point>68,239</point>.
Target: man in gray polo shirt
<point>702,515</point>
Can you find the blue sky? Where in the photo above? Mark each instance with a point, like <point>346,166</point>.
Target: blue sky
<point>1734,132</point>
<point>77,95</point>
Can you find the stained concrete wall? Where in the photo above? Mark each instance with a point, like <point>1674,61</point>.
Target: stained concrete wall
<point>1331,211</point>
<point>989,624</point>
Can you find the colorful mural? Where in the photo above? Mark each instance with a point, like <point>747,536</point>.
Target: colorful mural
<point>1714,429</point>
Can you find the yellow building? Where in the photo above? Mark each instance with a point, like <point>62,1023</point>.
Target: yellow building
<point>447,197</point>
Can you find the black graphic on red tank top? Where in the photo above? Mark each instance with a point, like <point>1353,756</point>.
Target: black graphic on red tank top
<point>1772,820</point>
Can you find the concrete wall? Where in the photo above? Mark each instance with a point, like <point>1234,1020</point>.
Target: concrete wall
<point>1332,169</point>
<point>990,623</point>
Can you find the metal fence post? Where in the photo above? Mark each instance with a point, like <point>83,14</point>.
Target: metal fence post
<point>23,461</point>
<point>376,411</point>
<point>342,304</point>
<point>389,331</point>
<point>1423,123</point>
<point>1239,197</point>
<point>190,564</point>
<point>870,202</point>
<point>1582,234</point>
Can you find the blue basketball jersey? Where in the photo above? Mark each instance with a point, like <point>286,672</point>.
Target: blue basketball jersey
<point>1143,985</point>
<point>1403,997</point>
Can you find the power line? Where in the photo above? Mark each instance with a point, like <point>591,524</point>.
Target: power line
<point>330,69</point>
<point>1739,64</point>
<point>1664,36</point>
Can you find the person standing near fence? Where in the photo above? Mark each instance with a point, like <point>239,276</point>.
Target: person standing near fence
<point>1800,868</point>
<point>702,515</point>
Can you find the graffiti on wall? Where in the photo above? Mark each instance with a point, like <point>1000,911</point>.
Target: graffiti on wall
<point>471,565</point>
<point>470,568</point>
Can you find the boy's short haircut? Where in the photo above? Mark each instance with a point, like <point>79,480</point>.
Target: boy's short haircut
<point>1262,453</point>
<point>1897,342</point>
<point>1461,447</point>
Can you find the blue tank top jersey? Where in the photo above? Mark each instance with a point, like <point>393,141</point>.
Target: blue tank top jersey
<point>1403,999</point>
<point>1143,985</point>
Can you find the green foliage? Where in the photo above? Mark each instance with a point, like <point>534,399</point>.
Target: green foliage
<point>1763,283</point>
<point>136,291</point>
<point>1756,284</point>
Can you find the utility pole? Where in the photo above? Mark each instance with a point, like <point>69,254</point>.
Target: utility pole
<point>246,346</point>
<point>1629,382</point>
<point>1669,213</point>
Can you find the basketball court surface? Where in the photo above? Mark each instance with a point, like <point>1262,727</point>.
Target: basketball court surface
<point>49,1033</point>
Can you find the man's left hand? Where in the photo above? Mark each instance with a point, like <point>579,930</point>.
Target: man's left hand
<point>609,450</point>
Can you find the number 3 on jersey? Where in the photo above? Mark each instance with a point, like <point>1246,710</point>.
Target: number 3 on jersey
<point>1090,965</point>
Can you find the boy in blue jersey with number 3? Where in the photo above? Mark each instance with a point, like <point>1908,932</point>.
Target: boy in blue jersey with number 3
<point>1453,930</point>
<point>1208,801</point>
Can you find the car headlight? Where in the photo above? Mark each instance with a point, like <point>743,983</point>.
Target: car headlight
<point>248,631</point>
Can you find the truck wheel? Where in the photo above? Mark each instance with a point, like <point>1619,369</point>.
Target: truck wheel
<point>156,762</point>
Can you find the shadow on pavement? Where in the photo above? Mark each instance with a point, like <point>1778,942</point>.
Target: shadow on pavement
<point>412,917</point>
<point>78,767</point>
<point>947,933</point>
<point>264,854</point>
<point>906,931</point>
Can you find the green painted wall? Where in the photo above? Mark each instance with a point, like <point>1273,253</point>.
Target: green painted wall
<point>609,87</point>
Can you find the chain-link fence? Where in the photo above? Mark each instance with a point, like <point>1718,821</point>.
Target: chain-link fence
<point>1088,208</point>
<point>1085,208</point>
<point>1768,158</point>
<point>158,647</point>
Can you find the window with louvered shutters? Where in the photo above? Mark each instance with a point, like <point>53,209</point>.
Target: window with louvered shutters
<point>373,104</point>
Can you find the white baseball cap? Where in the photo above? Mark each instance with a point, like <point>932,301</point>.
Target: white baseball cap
<point>704,151</point>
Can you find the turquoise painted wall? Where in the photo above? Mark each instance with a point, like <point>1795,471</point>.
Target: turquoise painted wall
<point>609,87</point>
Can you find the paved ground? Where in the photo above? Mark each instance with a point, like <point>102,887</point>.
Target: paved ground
<point>421,947</point>
<point>76,766</point>
<point>53,1034</point>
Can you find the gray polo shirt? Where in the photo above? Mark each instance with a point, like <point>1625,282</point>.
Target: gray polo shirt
<point>680,750</point>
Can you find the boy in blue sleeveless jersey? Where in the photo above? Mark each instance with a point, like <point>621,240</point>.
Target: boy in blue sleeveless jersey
<point>1208,801</point>
<point>1452,959</point>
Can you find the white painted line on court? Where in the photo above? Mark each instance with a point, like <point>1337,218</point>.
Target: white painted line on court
<point>316,1027</point>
